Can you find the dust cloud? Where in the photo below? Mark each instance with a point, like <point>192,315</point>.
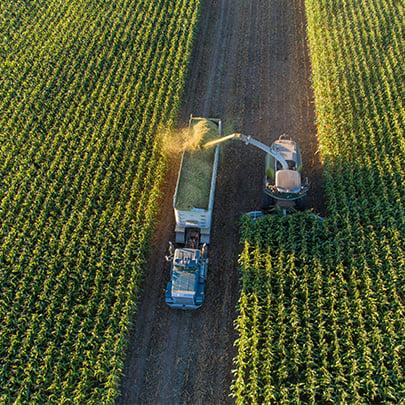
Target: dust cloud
<point>175,141</point>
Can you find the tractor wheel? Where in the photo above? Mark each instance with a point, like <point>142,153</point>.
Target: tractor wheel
<point>300,204</point>
<point>267,202</point>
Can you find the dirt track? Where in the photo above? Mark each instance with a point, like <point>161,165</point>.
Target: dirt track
<point>250,68</point>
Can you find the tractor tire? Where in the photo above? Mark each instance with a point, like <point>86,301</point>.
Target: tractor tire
<point>267,202</point>
<point>300,204</point>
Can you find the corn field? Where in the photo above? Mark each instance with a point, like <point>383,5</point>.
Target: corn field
<point>84,86</point>
<point>322,311</point>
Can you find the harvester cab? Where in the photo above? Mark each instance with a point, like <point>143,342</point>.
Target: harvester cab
<point>283,187</point>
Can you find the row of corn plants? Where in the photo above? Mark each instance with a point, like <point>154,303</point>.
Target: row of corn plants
<point>84,87</point>
<point>322,311</point>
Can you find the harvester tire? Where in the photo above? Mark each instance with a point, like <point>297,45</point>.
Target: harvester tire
<point>267,202</point>
<point>300,203</point>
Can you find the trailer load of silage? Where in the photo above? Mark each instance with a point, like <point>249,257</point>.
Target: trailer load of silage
<point>193,190</point>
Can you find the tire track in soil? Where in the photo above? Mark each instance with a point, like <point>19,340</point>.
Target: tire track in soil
<point>183,332</point>
<point>209,383</point>
<point>250,66</point>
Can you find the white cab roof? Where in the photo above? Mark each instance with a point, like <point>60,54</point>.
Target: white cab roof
<point>288,181</point>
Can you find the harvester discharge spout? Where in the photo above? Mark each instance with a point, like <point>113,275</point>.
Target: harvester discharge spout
<point>220,140</point>
<point>247,139</point>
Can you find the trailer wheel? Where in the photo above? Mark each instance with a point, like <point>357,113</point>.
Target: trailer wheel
<point>267,202</point>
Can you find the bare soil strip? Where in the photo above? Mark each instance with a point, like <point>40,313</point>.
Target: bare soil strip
<point>250,68</point>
